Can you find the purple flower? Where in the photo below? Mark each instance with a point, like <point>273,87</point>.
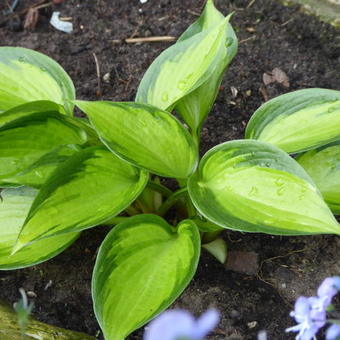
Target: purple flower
<point>333,332</point>
<point>328,289</point>
<point>180,324</point>
<point>310,313</point>
<point>309,319</point>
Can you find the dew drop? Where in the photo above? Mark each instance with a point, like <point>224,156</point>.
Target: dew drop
<point>301,197</point>
<point>43,69</point>
<point>22,59</point>
<point>38,173</point>
<point>229,42</point>
<point>279,182</point>
<point>181,84</point>
<point>280,191</point>
<point>165,97</point>
<point>253,191</point>
<point>143,123</point>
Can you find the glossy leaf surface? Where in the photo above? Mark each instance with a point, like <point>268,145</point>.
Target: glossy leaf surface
<point>292,121</point>
<point>27,109</point>
<point>195,106</point>
<point>143,265</point>
<point>26,140</point>
<point>182,68</point>
<point>27,75</point>
<point>37,173</point>
<point>145,136</point>
<point>323,165</point>
<point>91,187</point>
<point>14,207</point>
<point>255,187</point>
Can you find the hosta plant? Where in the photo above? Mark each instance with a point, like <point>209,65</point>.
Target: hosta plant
<point>61,174</point>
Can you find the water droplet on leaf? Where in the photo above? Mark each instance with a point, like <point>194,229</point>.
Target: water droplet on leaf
<point>165,97</point>
<point>229,42</point>
<point>253,191</point>
<point>279,182</point>
<point>280,191</point>
<point>181,84</point>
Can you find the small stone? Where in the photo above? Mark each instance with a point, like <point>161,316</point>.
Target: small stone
<point>252,324</point>
<point>31,294</point>
<point>245,262</point>
<point>106,78</point>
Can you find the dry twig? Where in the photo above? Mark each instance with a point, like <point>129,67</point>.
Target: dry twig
<point>99,89</point>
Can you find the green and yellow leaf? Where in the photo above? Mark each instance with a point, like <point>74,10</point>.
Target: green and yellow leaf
<point>14,207</point>
<point>144,136</point>
<point>195,106</point>
<point>27,140</point>
<point>183,67</point>
<point>323,165</point>
<point>91,187</point>
<point>143,265</point>
<point>292,121</point>
<point>255,187</point>
<point>27,75</point>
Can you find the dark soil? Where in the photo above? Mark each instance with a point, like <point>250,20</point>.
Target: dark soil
<point>270,36</point>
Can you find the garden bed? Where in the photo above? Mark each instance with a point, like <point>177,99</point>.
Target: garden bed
<point>270,36</point>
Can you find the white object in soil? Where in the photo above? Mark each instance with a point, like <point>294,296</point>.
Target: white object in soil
<point>60,25</point>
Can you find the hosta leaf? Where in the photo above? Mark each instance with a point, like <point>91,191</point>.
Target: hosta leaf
<point>145,136</point>
<point>14,207</point>
<point>38,172</point>
<point>26,75</point>
<point>195,106</point>
<point>143,265</point>
<point>27,109</point>
<point>298,121</point>
<point>182,68</point>
<point>24,141</point>
<point>91,187</point>
<point>323,165</point>
<point>253,186</point>
<point>209,18</point>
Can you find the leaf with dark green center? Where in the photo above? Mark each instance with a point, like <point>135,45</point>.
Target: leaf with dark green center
<point>25,140</point>
<point>26,75</point>
<point>14,207</point>
<point>91,187</point>
<point>323,165</point>
<point>143,265</point>
<point>253,186</point>
<point>37,173</point>
<point>145,136</point>
<point>27,109</point>
<point>292,121</point>
<point>182,68</point>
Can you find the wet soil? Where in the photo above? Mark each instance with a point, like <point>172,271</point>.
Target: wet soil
<point>271,36</point>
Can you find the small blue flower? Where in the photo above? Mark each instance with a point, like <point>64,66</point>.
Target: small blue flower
<point>309,318</point>
<point>328,289</point>
<point>180,324</point>
<point>333,332</point>
<point>310,313</point>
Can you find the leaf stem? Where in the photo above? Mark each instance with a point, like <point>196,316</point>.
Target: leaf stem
<point>172,200</point>
<point>160,188</point>
<point>115,220</point>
